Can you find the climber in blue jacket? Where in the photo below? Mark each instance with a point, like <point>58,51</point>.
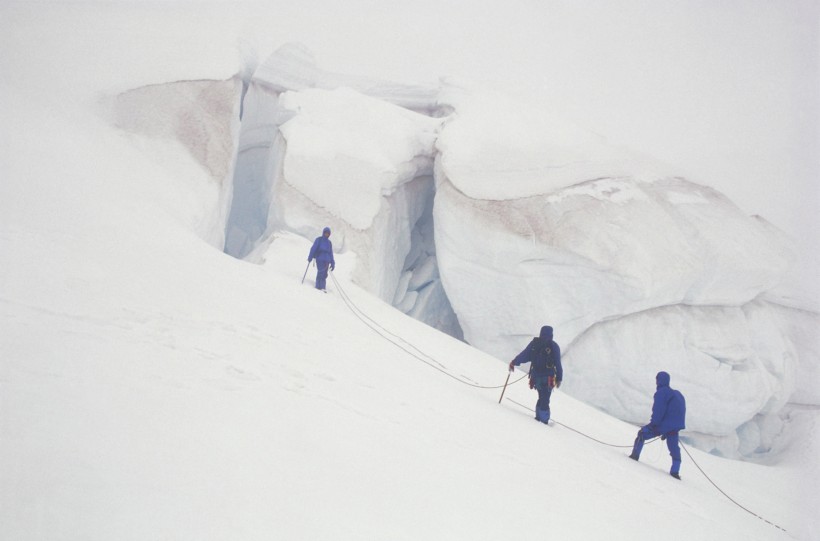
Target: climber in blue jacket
<point>322,251</point>
<point>668,418</point>
<point>545,370</point>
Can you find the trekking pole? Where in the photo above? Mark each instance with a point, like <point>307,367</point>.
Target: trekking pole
<point>505,386</point>
<point>305,274</point>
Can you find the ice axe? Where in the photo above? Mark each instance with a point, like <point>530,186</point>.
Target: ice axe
<point>305,274</point>
<point>505,386</point>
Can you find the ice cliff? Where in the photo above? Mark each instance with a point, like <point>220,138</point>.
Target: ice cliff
<point>638,271</point>
<point>487,217</point>
<point>305,132</point>
<point>190,128</point>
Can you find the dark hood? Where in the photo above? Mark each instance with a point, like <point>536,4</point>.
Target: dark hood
<point>662,379</point>
<point>546,332</point>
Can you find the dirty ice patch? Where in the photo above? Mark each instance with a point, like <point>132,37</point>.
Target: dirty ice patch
<point>611,190</point>
<point>346,150</point>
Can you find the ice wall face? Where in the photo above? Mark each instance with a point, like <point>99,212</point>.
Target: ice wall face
<point>598,250</point>
<point>189,128</point>
<point>365,167</point>
<point>637,273</point>
<point>319,149</point>
<point>259,153</point>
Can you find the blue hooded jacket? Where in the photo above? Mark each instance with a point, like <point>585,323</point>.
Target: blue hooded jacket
<point>322,249</point>
<point>544,354</point>
<point>668,408</point>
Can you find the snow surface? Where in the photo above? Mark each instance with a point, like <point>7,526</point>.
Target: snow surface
<point>151,386</point>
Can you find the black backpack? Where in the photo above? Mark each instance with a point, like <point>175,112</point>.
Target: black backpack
<point>539,350</point>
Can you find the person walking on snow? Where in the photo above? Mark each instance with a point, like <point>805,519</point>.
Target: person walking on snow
<point>545,370</point>
<point>668,418</point>
<point>322,251</point>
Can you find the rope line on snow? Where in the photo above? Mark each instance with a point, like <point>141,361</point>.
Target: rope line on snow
<point>374,326</point>
<point>684,448</point>
<point>578,431</point>
<point>724,493</point>
<point>429,360</point>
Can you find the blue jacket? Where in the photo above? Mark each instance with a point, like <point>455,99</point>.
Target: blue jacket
<point>544,354</point>
<point>668,408</point>
<point>322,250</point>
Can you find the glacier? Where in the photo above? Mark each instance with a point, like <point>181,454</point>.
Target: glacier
<point>487,217</point>
<point>304,132</point>
<point>198,121</point>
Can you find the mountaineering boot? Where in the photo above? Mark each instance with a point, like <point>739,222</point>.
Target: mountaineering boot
<point>675,475</point>
<point>633,457</point>
<point>542,415</point>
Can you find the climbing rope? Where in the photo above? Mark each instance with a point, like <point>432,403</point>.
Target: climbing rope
<point>403,344</point>
<point>578,431</point>
<point>433,363</point>
<point>724,493</point>
<point>379,329</point>
<point>655,439</point>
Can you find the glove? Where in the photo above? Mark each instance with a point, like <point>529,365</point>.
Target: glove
<point>310,259</point>
<point>663,437</point>
<point>512,366</point>
<point>333,266</point>
<point>558,383</point>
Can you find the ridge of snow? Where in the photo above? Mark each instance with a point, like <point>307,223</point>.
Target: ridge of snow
<point>342,137</point>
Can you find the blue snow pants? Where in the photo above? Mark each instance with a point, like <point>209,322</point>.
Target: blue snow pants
<point>321,274</point>
<point>672,443</point>
<point>542,407</point>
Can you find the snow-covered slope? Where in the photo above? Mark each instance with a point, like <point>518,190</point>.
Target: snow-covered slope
<point>152,386</point>
<point>181,393</point>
